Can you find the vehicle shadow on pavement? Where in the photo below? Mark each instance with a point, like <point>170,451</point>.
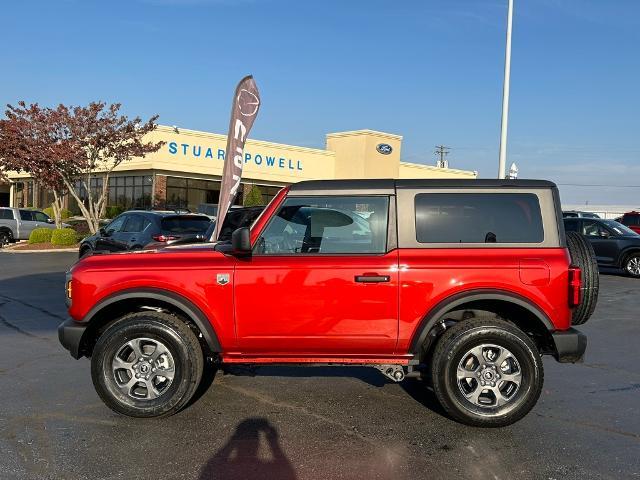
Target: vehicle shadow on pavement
<point>423,395</point>
<point>365,374</point>
<point>243,458</point>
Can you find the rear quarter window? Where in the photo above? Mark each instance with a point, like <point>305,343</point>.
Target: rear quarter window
<point>185,224</point>
<point>478,218</point>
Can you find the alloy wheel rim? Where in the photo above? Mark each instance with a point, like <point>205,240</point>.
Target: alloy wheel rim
<point>143,368</point>
<point>633,266</point>
<point>489,376</point>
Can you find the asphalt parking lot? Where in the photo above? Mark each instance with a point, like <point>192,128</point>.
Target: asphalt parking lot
<point>306,423</point>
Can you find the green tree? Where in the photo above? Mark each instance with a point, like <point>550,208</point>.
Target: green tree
<point>254,197</point>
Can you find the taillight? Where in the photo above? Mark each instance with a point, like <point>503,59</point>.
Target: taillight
<point>164,238</point>
<point>575,286</point>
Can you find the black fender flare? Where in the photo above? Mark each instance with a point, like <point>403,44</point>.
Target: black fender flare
<point>450,303</point>
<point>185,305</point>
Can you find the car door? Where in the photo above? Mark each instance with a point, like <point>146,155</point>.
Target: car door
<point>321,280</point>
<point>27,223</point>
<point>602,239</point>
<point>131,236</point>
<point>42,220</point>
<point>107,240</point>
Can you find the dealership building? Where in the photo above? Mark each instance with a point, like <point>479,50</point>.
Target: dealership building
<point>186,171</point>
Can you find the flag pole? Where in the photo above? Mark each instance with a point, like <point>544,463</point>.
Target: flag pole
<point>505,96</point>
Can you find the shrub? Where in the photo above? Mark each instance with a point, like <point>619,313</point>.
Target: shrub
<point>64,236</point>
<point>40,235</point>
<point>64,213</point>
<point>113,211</point>
<point>254,197</point>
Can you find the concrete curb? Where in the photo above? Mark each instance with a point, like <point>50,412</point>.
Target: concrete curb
<point>52,250</point>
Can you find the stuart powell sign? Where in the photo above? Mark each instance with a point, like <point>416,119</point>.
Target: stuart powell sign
<point>244,109</point>
<point>264,159</point>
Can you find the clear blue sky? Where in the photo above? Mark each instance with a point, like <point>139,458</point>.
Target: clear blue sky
<point>429,70</point>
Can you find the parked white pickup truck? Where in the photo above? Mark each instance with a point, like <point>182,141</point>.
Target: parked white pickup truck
<point>18,223</point>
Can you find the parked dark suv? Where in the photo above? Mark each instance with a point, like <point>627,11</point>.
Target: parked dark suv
<point>615,244</point>
<point>236,218</point>
<point>136,229</point>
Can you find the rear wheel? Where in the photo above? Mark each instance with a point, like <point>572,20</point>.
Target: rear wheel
<point>486,372</point>
<point>583,256</point>
<point>632,265</point>
<point>147,364</point>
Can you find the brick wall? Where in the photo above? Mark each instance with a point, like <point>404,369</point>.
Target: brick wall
<point>159,191</point>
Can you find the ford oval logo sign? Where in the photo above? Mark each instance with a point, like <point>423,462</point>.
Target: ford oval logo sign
<point>384,148</point>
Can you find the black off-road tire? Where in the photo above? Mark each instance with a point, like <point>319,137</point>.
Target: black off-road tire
<point>5,238</point>
<point>186,354</point>
<point>453,347</point>
<point>631,263</point>
<point>583,256</point>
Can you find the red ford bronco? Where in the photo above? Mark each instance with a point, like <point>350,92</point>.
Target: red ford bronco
<point>464,283</point>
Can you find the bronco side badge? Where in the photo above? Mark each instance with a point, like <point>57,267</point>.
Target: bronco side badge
<point>222,278</point>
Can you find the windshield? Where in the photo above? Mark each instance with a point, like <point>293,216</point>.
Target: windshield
<point>619,228</point>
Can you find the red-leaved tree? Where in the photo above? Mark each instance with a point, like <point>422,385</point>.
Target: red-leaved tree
<point>30,144</point>
<point>86,142</point>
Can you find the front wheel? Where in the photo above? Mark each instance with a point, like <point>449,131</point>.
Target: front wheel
<point>5,239</point>
<point>632,265</point>
<point>486,372</point>
<point>147,364</point>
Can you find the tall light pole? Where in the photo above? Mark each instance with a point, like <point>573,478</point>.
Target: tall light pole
<point>505,96</point>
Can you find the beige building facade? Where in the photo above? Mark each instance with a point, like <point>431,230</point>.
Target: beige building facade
<point>186,171</point>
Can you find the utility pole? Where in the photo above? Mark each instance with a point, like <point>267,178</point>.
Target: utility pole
<point>505,96</point>
<point>442,152</point>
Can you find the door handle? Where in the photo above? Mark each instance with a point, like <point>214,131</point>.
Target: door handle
<point>372,278</point>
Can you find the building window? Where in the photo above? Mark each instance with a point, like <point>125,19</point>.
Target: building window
<point>130,192</point>
<point>29,200</point>
<point>189,193</point>
<point>127,192</point>
<point>18,195</point>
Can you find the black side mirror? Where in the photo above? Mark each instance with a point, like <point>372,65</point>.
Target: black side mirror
<point>103,232</point>
<point>604,234</point>
<point>241,242</point>
<point>50,220</point>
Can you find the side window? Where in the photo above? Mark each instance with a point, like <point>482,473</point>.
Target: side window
<point>571,225</point>
<point>593,229</point>
<point>135,224</point>
<point>40,217</point>
<point>327,225</point>
<point>26,215</point>
<point>478,218</point>
<point>117,224</point>
<point>6,214</point>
